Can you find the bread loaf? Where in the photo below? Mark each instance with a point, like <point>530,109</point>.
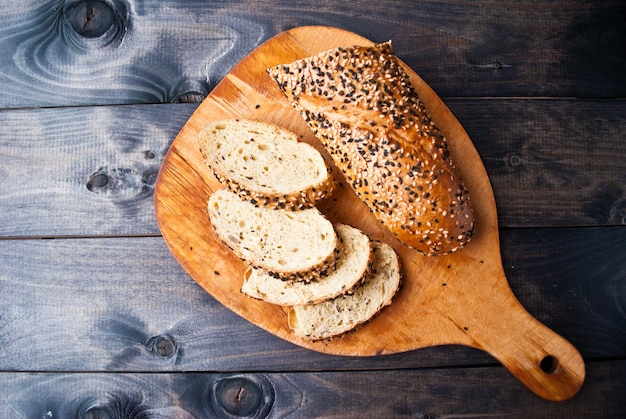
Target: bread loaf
<point>352,266</point>
<point>297,245</point>
<point>345,313</point>
<point>362,106</point>
<point>265,164</point>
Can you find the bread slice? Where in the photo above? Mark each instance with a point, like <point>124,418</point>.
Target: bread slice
<point>352,267</point>
<point>265,164</point>
<point>364,109</point>
<point>298,245</point>
<point>345,313</point>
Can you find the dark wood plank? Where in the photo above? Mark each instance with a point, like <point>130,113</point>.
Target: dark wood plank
<point>139,52</point>
<point>124,304</point>
<point>573,279</point>
<point>131,52</point>
<point>551,162</point>
<point>91,171</point>
<point>431,393</point>
<point>84,171</point>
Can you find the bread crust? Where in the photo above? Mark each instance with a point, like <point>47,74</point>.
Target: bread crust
<point>362,106</point>
<point>353,266</point>
<point>297,199</point>
<point>345,314</point>
<point>257,236</point>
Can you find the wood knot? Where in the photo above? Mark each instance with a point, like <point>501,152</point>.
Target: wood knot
<point>95,23</point>
<point>120,181</point>
<point>241,396</point>
<point>97,181</point>
<point>162,346</point>
<point>189,91</point>
<point>514,161</point>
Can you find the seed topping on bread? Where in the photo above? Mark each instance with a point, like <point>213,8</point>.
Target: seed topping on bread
<point>265,164</point>
<point>290,245</point>
<point>345,313</point>
<point>362,106</point>
<point>351,269</point>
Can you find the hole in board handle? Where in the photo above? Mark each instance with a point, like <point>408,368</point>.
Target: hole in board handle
<point>549,364</point>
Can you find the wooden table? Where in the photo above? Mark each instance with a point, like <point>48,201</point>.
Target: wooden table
<point>97,318</point>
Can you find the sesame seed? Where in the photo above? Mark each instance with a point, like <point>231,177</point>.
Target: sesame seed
<point>370,81</point>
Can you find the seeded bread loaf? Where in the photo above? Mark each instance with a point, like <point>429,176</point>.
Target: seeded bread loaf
<point>362,106</point>
<point>265,164</point>
<point>345,313</point>
<point>297,245</point>
<point>352,266</point>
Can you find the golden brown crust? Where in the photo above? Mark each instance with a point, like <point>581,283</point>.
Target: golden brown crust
<point>362,106</point>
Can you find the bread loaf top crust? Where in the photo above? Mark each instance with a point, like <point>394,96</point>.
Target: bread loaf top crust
<point>362,106</point>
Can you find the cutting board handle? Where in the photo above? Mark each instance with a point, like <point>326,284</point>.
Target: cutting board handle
<point>541,359</point>
<point>461,298</point>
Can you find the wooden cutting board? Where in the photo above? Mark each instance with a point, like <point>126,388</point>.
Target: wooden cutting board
<point>463,298</point>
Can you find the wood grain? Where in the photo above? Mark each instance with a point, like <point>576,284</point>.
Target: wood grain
<point>475,311</point>
<point>553,261</point>
<point>431,393</point>
<point>547,164</point>
<point>550,162</point>
<point>85,171</point>
<point>151,52</point>
<point>123,308</point>
<point>126,299</point>
<point>102,304</point>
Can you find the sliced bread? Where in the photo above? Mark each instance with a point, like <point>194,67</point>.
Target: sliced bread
<point>345,313</point>
<point>352,267</point>
<point>298,245</point>
<point>265,164</point>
